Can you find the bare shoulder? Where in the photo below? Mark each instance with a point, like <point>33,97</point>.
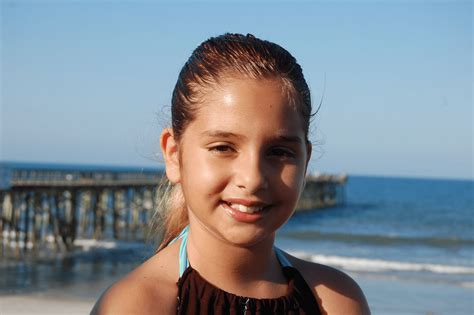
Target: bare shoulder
<point>336,292</point>
<point>149,289</point>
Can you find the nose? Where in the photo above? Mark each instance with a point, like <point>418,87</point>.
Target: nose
<point>251,173</point>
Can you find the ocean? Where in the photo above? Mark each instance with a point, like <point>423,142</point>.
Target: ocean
<point>409,243</point>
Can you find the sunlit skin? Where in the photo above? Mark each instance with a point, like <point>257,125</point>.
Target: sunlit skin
<point>246,147</point>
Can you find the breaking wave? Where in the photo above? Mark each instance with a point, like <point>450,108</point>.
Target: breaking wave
<point>378,265</point>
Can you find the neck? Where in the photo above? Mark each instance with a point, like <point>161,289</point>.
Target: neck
<point>216,259</point>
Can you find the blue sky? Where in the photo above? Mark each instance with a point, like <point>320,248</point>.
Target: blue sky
<point>91,81</point>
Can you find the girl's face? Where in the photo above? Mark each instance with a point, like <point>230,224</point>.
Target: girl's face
<point>241,163</point>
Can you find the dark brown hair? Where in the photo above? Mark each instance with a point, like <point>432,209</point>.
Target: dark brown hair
<point>216,59</point>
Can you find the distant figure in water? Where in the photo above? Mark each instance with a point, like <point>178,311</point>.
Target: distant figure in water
<point>236,157</point>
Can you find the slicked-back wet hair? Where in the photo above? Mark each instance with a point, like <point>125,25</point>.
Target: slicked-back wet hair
<point>229,56</point>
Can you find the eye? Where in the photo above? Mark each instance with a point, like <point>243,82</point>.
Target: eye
<point>221,149</point>
<point>282,152</point>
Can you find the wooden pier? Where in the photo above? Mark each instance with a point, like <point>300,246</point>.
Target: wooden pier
<point>322,191</point>
<point>52,206</point>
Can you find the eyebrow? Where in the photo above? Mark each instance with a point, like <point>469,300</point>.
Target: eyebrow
<point>221,134</point>
<point>226,134</point>
<point>287,138</point>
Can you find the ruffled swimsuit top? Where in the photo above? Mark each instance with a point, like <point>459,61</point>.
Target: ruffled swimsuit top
<point>197,296</point>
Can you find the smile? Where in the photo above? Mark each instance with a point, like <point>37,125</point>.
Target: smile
<point>244,208</point>
<point>244,213</point>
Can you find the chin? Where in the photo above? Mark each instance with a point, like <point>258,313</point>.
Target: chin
<point>236,233</point>
<point>247,236</point>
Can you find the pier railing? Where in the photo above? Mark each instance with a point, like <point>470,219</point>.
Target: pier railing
<point>52,206</point>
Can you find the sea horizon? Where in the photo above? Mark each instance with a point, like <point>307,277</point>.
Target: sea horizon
<point>160,167</point>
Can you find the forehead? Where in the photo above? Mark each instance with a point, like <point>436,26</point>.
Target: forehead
<point>251,105</point>
<point>244,86</point>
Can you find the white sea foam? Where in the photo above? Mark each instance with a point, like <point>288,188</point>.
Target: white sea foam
<point>468,285</point>
<point>87,244</point>
<point>378,265</point>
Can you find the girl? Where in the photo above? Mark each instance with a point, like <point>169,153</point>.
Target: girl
<point>236,156</point>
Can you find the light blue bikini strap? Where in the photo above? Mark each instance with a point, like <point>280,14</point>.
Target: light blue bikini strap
<point>284,262</point>
<point>185,230</point>
<point>183,255</point>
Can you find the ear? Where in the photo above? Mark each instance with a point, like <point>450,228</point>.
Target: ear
<point>309,149</point>
<point>169,149</point>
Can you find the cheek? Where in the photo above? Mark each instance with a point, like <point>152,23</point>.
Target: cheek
<point>292,179</point>
<point>202,173</point>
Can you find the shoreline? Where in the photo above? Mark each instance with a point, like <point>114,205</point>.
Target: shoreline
<point>39,304</point>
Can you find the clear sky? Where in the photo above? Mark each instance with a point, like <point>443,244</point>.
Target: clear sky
<point>91,81</point>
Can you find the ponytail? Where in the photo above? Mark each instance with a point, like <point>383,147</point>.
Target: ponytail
<point>171,215</point>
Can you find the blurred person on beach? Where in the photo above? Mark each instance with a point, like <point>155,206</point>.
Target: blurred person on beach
<point>236,157</point>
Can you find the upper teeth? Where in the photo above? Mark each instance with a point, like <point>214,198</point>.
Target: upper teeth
<point>243,208</point>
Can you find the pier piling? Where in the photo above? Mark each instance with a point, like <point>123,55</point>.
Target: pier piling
<point>52,206</point>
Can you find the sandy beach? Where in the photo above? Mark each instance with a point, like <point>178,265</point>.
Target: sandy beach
<point>39,304</point>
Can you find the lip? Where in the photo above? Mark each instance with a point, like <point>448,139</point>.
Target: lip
<point>246,202</point>
<point>244,217</point>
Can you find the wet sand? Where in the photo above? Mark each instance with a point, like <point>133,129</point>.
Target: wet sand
<point>40,304</point>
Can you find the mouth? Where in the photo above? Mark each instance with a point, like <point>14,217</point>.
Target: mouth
<point>244,208</point>
<point>244,211</point>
